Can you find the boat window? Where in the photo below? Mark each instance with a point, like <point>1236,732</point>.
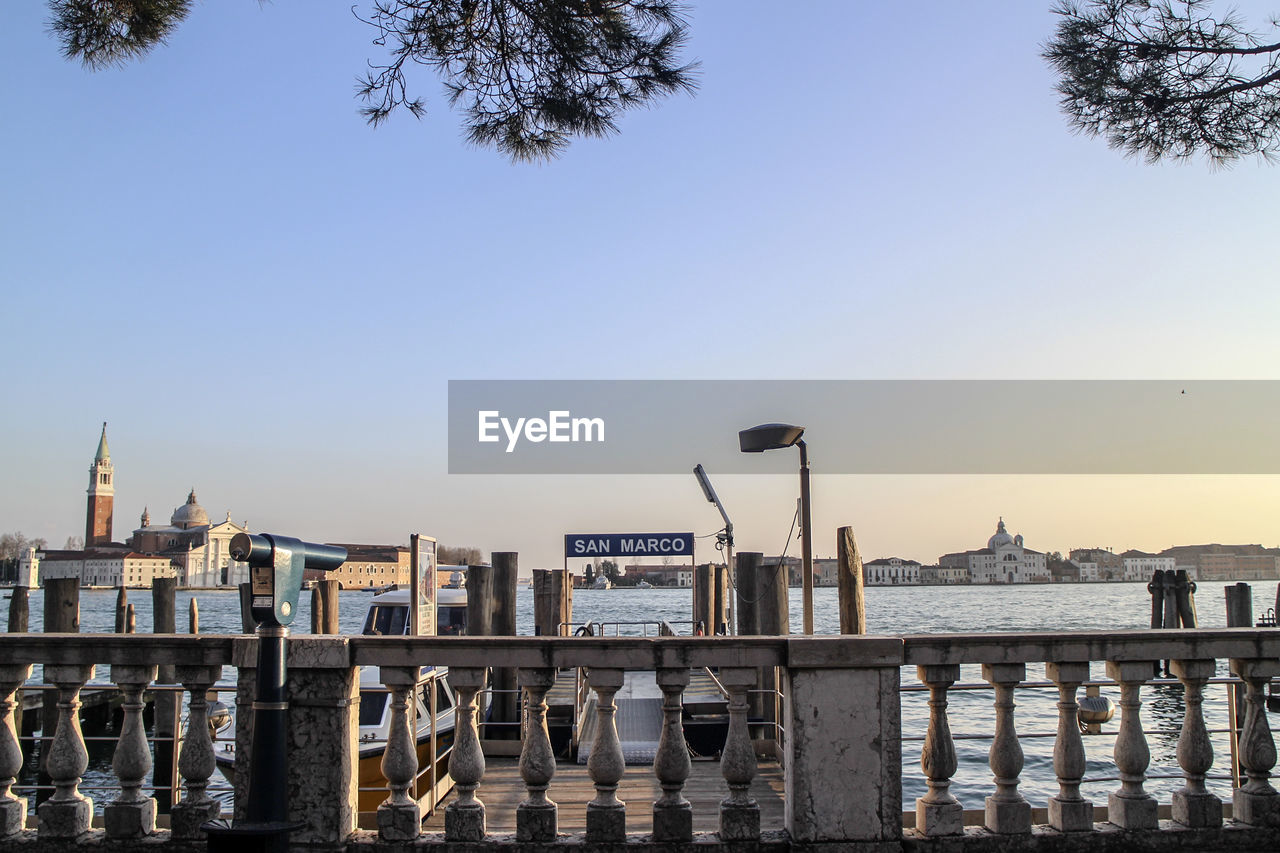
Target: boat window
<point>443,700</point>
<point>387,621</point>
<point>451,621</point>
<point>372,704</point>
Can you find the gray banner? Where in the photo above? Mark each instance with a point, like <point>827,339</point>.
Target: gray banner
<point>866,426</point>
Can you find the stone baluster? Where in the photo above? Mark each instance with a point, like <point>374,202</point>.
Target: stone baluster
<point>1256,803</point>
<point>13,810</point>
<point>68,812</point>
<point>672,813</point>
<point>938,812</point>
<point>739,813</point>
<point>399,816</point>
<point>1131,807</point>
<point>1193,805</point>
<point>536,817</point>
<point>1007,811</point>
<point>606,814</point>
<point>464,818</point>
<point>195,762</point>
<point>1068,811</point>
<point>131,815</point>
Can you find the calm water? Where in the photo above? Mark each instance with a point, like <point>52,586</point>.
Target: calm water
<point>890,610</point>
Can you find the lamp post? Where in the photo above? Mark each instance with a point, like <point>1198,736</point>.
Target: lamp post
<point>758,439</point>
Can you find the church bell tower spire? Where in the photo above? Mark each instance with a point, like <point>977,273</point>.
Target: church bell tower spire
<point>102,489</point>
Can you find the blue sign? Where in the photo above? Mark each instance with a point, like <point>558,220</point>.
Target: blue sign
<point>628,545</point>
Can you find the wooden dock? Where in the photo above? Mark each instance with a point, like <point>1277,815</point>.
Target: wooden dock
<point>502,790</point>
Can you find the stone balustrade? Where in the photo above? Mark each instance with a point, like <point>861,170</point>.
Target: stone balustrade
<point>842,756</point>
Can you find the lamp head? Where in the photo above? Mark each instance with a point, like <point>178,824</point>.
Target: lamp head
<point>758,439</point>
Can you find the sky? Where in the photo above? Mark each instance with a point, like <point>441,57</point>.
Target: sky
<point>265,298</point>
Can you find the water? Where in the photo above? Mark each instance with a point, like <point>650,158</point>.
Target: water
<point>890,610</point>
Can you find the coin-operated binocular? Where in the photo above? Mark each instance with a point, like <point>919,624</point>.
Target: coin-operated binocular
<point>276,566</point>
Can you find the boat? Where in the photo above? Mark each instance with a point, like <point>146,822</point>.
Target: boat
<point>388,615</point>
<point>644,585</point>
<point>601,582</point>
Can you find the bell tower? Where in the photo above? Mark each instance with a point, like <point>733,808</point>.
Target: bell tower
<point>102,489</point>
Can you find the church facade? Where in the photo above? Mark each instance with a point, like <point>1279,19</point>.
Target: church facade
<point>1004,560</point>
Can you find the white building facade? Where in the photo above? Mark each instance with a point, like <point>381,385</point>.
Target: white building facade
<point>891,571</point>
<point>1140,566</point>
<point>1004,560</point>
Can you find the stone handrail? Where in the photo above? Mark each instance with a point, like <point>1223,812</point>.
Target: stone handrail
<point>841,758</point>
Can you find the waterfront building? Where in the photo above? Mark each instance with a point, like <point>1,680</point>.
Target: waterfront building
<point>1005,560</point>
<point>944,575</point>
<point>111,567</point>
<point>28,569</point>
<point>1097,564</point>
<point>826,571</point>
<point>200,550</point>
<point>1140,566</point>
<point>372,566</point>
<point>1065,571</point>
<point>890,571</point>
<point>1227,562</point>
<point>659,575</point>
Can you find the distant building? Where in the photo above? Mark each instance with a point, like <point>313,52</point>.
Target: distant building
<point>1140,566</point>
<point>944,574</point>
<point>101,508</point>
<point>200,550</point>
<point>891,571</point>
<point>1227,562</point>
<point>826,572</point>
<point>659,575</point>
<point>373,566</point>
<point>1065,572</point>
<point>111,567</point>
<point>1097,564</point>
<point>28,569</point>
<point>1004,560</point>
<point>793,565</point>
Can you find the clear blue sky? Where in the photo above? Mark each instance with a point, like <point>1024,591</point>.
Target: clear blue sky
<point>265,298</point>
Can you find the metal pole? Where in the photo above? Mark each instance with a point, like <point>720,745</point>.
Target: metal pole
<point>806,530</point>
<point>268,800</point>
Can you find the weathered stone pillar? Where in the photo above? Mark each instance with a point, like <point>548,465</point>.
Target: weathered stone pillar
<point>1256,803</point>
<point>195,763</point>
<point>1007,811</point>
<point>536,817</point>
<point>1131,807</point>
<point>324,692</point>
<point>464,818</point>
<point>13,810</point>
<point>844,747</point>
<point>739,813</point>
<point>131,815</point>
<point>938,812</point>
<point>399,817</point>
<point>68,812</point>
<point>1069,811</point>
<point>606,814</point>
<point>1193,805</point>
<point>672,813</point>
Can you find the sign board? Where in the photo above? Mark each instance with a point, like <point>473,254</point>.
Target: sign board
<point>628,545</point>
<point>422,565</point>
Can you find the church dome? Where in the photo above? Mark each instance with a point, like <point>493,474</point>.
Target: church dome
<point>1000,538</point>
<point>190,514</point>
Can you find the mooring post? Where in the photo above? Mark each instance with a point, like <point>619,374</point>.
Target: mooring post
<point>747,602</point>
<point>702,600</point>
<point>1239,615</point>
<point>19,611</point>
<point>506,699</point>
<point>329,604</point>
<point>552,607</point>
<point>720,589</point>
<point>122,606</point>
<point>1185,592</point>
<point>853,605</point>
<point>1156,588</point>
<point>480,620</point>
<point>775,621</point>
<point>246,618</point>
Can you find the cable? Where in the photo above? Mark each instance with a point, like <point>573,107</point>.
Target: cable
<point>777,566</point>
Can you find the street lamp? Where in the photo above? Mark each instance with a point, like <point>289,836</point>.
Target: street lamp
<point>758,439</point>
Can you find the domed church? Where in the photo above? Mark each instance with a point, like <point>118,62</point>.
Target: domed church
<point>1004,560</point>
<point>200,549</point>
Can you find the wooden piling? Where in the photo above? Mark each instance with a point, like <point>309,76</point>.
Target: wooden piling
<point>122,606</point>
<point>479,601</point>
<point>193,617</point>
<point>1156,588</point>
<point>747,601</point>
<point>247,625</point>
<point>551,606</point>
<point>62,606</point>
<point>164,621</point>
<point>852,590</point>
<point>506,696</point>
<point>329,590</point>
<point>317,611</point>
<point>1185,594</point>
<point>19,611</point>
<point>1239,615</point>
<point>130,620</point>
<point>720,594</point>
<point>1170,603</point>
<point>775,621</point>
<point>703,600</point>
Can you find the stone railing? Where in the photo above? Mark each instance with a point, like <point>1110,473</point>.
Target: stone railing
<point>841,760</point>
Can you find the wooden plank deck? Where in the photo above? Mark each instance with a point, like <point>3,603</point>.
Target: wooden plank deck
<point>502,790</point>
